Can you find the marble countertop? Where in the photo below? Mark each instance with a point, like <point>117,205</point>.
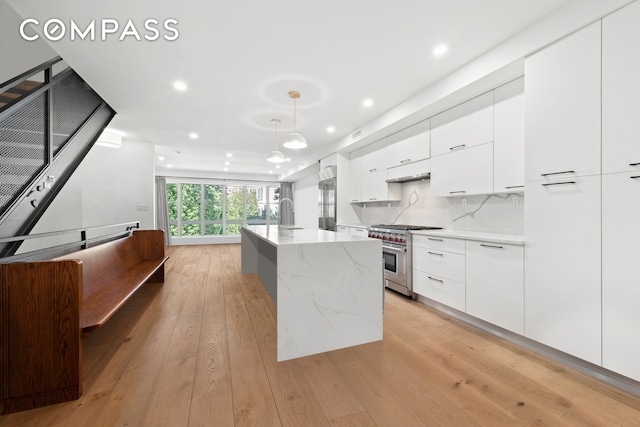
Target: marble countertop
<point>279,235</point>
<point>507,239</point>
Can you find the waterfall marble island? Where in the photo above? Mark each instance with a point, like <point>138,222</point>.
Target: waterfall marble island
<point>327,286</point>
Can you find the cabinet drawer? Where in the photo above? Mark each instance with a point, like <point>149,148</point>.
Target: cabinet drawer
<point>443,290</point>
<point>437,243</point>
<point>440,263</point>
<point>359,231</point>
<point>342,229</point>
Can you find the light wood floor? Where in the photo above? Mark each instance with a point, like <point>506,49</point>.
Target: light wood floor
<point>200,351</point>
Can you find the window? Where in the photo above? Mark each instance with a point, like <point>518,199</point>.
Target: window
<point>219,209</point>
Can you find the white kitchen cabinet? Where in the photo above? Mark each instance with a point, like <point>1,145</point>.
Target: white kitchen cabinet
<point>563,105</point>
<point>495,284</point>
<point>463,126</point>
<point>343,229</point>
<point>409,150</point>
<point>374,161</point>
<point>439,269</point>
<point>375,187</point>
<point>621,90</point>
<point>508,142</point>
<point>421,167</point>
<point>359,231</point>
<point>563,265</point>
<point>620,283</point>
<point>440,289</point>
<point>440,263</point>
<point>355,179</point>
<point>463,172</point>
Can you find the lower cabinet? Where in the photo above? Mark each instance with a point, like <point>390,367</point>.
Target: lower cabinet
<point>620,284</point>
<point>359,231</point>
<point>495,284</point>
<point>438,270</point>
<point>563,303</point>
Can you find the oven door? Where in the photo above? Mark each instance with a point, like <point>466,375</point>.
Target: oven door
<point>395,263</point>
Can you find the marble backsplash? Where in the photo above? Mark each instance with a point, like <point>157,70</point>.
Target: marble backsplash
<point>494,213</point>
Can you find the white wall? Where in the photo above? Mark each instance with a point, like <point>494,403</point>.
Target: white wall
<point>305,199</point>
<point>110,186</point>
<point>18,55</point>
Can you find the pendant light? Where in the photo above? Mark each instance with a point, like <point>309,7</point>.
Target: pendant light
<point>276,156</point>
<point>294,140</point>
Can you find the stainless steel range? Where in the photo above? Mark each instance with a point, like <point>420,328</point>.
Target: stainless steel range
<point>396,252</point>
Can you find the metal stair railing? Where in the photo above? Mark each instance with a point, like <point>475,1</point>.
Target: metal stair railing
<point>80,239</point>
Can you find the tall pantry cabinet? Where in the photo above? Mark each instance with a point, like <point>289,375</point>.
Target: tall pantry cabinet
<point>621,191</point>
<point>563,209</point>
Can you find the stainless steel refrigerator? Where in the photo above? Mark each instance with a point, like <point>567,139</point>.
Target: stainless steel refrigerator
<point>327,199</point>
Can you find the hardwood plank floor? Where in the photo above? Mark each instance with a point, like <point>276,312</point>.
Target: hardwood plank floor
<point>200,350</point>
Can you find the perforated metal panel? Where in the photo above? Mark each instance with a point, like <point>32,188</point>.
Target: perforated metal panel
<point>22,149</point>
<point>73,103</point>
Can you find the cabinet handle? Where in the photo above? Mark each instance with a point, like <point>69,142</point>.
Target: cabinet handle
<point>373,170</point>
<point>373,198</point>
<point>491,246</point>
<point>558,183</point>
<point>457,147</point>
<point>360,229</point>
<point>556,173</point>
<point>435,240</point>
<point>635,177</point>
<point>405,161</point>
<point>514,186</point>
<point>435,280</point>
<point>435,253</point>
<point>634,164</point>
<point>457,192</point>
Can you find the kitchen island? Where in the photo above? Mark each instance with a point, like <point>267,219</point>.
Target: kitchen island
<point>327,286</point>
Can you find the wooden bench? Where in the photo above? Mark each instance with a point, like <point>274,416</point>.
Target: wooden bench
<point>46,307</point>
<point>112,272</point>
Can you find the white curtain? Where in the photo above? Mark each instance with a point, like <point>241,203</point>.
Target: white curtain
<point>286,214</point>
<point>162,209</point>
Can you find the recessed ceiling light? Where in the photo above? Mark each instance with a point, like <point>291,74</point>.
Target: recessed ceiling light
<point>229,155</point>
<point>180,86</point>
<point>227,163</point>
<point>226,169</point>
<point>270,171</point>
<point>331,129</point>
<point>168,166</point>
<point>277,166</point>
<point>161,158</point>
<point>288,159</point>
<point>440,50</point>
<point>193,135</point>
<point>367,102</point>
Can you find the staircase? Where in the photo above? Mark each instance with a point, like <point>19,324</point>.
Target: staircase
<point>48,123</point>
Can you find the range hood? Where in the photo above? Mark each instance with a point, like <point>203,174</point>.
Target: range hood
<point>410,172</point>
<point>409,178</point>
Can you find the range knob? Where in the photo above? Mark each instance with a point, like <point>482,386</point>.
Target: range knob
<point>400,240</point>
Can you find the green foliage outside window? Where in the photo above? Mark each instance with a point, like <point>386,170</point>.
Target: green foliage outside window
<point>199,207</point>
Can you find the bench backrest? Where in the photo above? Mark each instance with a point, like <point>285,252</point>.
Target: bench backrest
<point>107,261</point>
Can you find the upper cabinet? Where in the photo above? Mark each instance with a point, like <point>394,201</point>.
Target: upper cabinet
<point>463,126</point>
<point>508,142</point>
<point>463,172</point>
<point>621,90</point>
<point>563,106</point>
<point>409,150</point>
<point>375,188</point>
<point>374,161</point>
<point>355,180</point>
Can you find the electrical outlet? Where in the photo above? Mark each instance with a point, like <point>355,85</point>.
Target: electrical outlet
<point>464,203</point>
<point>515,201</point>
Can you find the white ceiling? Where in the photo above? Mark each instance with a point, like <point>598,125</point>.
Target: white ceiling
<point>240,60</point>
